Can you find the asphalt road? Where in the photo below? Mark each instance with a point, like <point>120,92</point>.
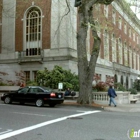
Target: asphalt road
<point>27,122</point>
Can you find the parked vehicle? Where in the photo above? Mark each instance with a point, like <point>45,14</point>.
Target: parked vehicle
<point>34,94</point>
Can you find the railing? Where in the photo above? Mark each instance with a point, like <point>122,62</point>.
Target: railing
<point>102,97</point>
<point>33,54</point>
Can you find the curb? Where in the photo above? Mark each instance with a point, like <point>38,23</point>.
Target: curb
<point>97,106</point>
<point>103,107</point>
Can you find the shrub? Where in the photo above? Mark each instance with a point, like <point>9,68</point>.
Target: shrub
<point>133,91</point>
<point>3,84</point>
<point>101,86</point>
<point>31,83</point>
<point>119,87</point>
<point>58,75</point>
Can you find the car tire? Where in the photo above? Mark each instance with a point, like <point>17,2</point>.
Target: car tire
<point>39,102</point>
<point>52,105</point>
<point>7,100</point>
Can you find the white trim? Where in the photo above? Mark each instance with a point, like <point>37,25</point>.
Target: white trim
<point>24,27</point>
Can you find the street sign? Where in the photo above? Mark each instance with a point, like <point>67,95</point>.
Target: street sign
<point>60,85</point>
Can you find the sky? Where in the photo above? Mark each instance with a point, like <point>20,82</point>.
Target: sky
<point>135,6</point>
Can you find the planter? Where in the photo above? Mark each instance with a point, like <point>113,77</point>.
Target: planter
<point>8,88</point>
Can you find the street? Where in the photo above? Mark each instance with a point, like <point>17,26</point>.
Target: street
<point>28,122</point>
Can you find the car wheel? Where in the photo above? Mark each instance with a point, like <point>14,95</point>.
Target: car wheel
<point>7,100</point>
<point>52,105</point>
<point>39,102</point>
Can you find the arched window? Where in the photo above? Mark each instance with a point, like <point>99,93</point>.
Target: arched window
<point>33,30</point>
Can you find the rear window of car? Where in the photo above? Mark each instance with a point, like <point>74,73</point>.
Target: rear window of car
<point>47,89</point>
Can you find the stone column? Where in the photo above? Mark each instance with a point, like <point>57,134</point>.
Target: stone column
<point>8,26</point>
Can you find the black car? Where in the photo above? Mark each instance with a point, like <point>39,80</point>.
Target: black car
<point>34,94</point>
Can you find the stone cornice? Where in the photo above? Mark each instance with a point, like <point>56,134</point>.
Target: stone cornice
<point>129,17</point>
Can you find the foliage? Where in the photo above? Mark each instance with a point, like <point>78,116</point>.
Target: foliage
<point>57,75</point>
<point>119,87</point>
<point>101,86</point>
<point>136,85</point>
<point>133,91</point>
<point>3,84</point>
<point>31,83</point>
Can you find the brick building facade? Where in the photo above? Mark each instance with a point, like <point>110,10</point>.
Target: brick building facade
<point>38,34</point>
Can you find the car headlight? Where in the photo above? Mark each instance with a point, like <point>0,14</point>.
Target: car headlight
<point>2,94</point>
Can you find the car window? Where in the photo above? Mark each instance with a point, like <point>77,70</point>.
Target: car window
<point>40,90</point>
<point>23,90</point>
<point>35,90</point>
<point>47,89</point>
<point>31,90</point>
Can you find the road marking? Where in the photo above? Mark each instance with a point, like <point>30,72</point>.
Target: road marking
<point>9,130</point>
<point>28,114</point>
<point>17,132</point>
<point>81,111</point>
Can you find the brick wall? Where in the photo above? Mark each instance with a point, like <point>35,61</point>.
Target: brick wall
<point>21,7</point>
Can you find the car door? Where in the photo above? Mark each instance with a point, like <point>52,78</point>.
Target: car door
<point>30,96</point>
<point>20,96</point>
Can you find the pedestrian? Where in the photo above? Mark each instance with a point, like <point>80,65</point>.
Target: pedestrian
<point>22,84</point>
<point>67,92</point>
<point>112,94</point>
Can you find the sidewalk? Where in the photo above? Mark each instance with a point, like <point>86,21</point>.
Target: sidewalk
<point>119,108</point>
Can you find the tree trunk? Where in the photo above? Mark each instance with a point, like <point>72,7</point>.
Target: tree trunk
<point>86,69</point>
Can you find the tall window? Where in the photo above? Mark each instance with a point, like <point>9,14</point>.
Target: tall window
<point>27,73</point>
<point>130,58</point>
<point>137,40</point>
<point>129,32</point>
<point>35,75</point>
<point>33,31</point>
<point>138,62</point>
<point>125,55</point>
<point>133,36</point>
<point>120,23</point>
<point>113,48</point>
<point>106,45</point>
<point>120,51</point>
<point>114,17</point>
<point>125,28</point>
<point>134,59</point>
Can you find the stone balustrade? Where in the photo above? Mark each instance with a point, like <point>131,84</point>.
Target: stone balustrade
<point>102,97</point>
